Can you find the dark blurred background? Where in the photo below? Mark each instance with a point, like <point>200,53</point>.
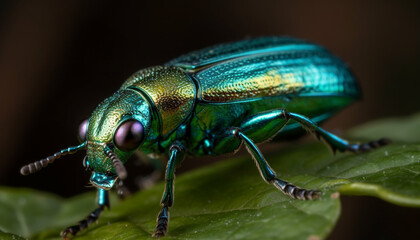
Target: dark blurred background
<point>59,59</point>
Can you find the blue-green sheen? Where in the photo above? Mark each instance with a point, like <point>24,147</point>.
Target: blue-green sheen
<point>312,82</point>
<point>209,102</point>
<point>196,98</point>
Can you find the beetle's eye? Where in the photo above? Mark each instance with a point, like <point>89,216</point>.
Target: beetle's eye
<point>129,135</point>
<point>82,131</point>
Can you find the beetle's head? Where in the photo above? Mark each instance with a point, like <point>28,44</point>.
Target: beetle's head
<point>117,127</point>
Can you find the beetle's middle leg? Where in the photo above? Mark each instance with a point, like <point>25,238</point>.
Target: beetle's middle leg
<point>268,173</point>
<point>177,154</point>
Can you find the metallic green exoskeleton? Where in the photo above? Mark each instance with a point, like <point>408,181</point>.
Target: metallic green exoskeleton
<point>210,101</point>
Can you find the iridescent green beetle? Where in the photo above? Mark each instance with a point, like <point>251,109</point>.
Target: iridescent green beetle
<point>209,102</point>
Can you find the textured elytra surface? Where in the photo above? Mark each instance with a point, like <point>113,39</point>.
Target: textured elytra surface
<point>230,200</point>
<point>269,66</point>
<point>225,51</point>
<point>275,74</point>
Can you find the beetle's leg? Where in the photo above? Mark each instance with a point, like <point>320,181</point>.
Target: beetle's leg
<point>149,161</point>
<point>103,201</point>
<point>269,175</point>
<point>333,141</point>
<point>122,191</point>
<point>265,125</point>
<point>177,154</point>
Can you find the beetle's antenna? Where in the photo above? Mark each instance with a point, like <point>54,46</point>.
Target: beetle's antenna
<point>116,163</point>
<point>38,165</point>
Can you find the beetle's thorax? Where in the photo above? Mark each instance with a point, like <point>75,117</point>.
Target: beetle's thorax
<point>170,90</point>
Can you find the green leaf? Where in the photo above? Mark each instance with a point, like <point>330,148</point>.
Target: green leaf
<point>26,212</point>
<point>229,200</point>
<point>403,130</point>
<point>9,236</point>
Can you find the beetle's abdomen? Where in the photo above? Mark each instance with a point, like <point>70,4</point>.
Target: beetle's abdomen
<point>169,89</point>
<point>265,67</point>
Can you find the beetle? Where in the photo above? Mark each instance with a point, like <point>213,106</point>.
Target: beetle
<point>210,102</point>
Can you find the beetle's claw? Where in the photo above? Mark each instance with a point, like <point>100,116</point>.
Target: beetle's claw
<point>159,233</point>
<point>161,228</point>
<point>72,230</point>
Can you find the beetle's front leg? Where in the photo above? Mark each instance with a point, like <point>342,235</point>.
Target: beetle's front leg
<point>103,201</point>
<point>177,154</point>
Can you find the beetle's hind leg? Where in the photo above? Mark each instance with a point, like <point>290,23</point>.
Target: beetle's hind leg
<point>268,173</point>
<point>334,142</point>
<point>264,126</point>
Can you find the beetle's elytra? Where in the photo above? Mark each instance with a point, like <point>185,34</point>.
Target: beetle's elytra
<point>210,101</point>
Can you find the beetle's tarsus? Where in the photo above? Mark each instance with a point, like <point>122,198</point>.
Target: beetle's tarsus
<point>294,191</point>
<point>162,223</point>
<point>365,147</point>
<point>73,230</point>
<point>269,175</point>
